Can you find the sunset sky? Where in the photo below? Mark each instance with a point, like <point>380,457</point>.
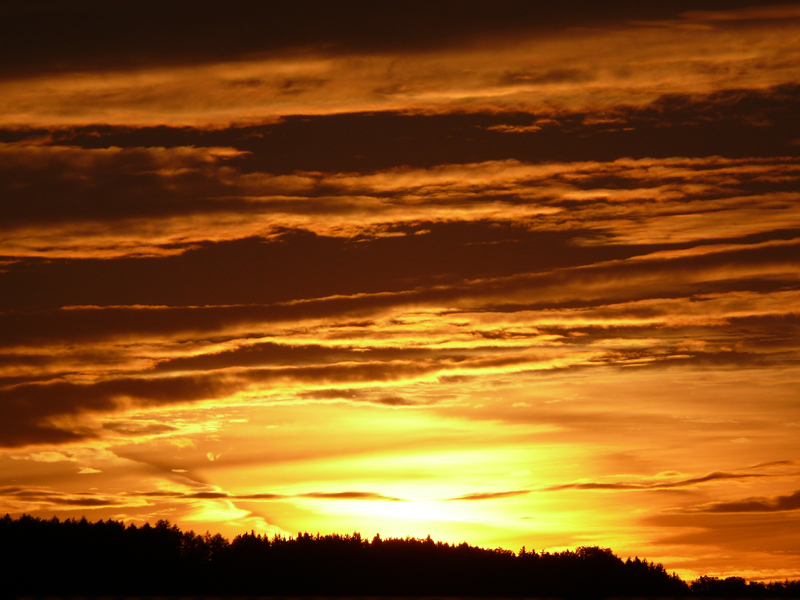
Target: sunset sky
<point>509,273</point>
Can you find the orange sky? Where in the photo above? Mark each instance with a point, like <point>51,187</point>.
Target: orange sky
<point>508,274</point>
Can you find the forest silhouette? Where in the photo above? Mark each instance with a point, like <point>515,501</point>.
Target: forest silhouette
<point>41,557</point>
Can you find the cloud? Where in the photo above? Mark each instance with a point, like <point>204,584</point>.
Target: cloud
<point>760,267</point>
<point>44,497</point>
<point>658,484</point>
<point>349,25</point>
<point>395,401</point>
<point>138,428</point>
<point>175,223</point>
<point>752,505</point>
<point>651,484</point>
<point>274,354</point>
<point>59,191</point>
<point>757,504</point>
<point>737,122</point>
<point>778,12</point>
<point>46,456</point>
<point>47,412</point>
<point>491,495</point>
<point>622,486</point>
<point>29,410</point>
<point>349,496</point>
<point>333,394</point>
<point>545,77</point>
<point>428,68</point>
<point>774,463</point>
<point>27,499</point>
<point>512,339</point>
<point>375,395</point>
<point>51,44</point>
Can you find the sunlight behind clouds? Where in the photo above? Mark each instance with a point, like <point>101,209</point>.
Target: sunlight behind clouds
<point>530,279</point>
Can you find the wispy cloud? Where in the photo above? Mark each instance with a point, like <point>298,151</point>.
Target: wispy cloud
<point>491,495</point>
<point>640,484</point>
<point>752,505</point>
<point>659,484</point>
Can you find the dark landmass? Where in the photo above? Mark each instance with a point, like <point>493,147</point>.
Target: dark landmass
<point>64,558</point>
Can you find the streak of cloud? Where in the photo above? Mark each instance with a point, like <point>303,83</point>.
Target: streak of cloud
<point>753,505</point>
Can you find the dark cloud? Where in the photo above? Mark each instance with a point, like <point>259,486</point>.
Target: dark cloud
<point>753,505</point>
<point>88,502</point>
<point>717,476</point>
<point>29,431</point>
<point>266,496</point>
<point>269,353</point>
<point>771,532</point>
<point>598,486</point>
<point>155,494</point>
<point>491,495</point>
<point>26,411</point>
<point>349,496</point>
<point>656,485</point>
<point>346,373</point>
<point>395,401</point>
<point>46,36</point>
<point>135,428</point>
<point>730,123</point>
<point>774,463</point>
<point>248,273</point>
<point>761,333</point>
<point>305,359</point>
<point>45,496</point>
<point>207,496</point>
<point>63,185</point>
<point>544,77</point>
<point>376,396</point>
<point>261,497</point>
<point>296,265</point>
<point>333,394</point>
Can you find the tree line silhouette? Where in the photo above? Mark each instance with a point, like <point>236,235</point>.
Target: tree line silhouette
<point>77,557</point>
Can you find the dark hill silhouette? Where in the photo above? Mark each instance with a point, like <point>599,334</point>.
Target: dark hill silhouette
<point>61,558</point>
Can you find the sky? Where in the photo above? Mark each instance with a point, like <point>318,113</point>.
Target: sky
<point>509,273</point>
